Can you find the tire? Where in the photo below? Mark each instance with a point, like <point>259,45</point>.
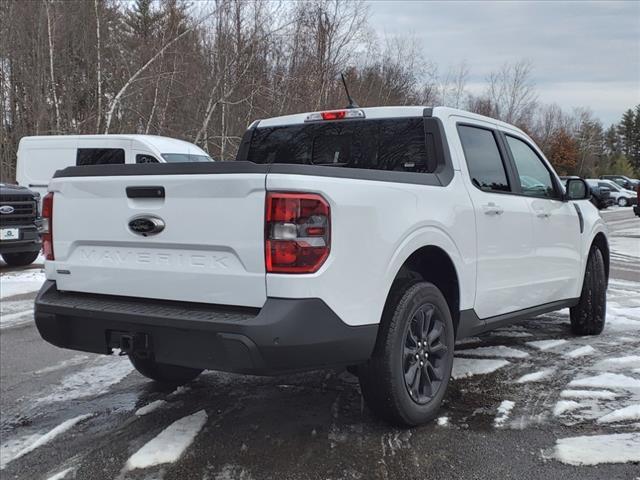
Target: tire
<point>382,378</point>
<point>622,202</point>
<point>588,317</point>
<point>162,372</point>
<point>20,259</point>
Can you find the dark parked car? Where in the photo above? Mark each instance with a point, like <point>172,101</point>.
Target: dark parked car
<point>600,195</point>
<point>20,225</point>
<point>624,182</point>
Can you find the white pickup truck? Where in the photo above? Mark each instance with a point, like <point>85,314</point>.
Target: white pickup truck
<point>371,238</point>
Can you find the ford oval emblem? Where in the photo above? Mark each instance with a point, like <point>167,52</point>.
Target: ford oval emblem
<point>146,225</point>
<point>7,209</point>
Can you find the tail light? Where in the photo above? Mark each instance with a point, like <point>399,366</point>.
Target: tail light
<point>47,226</point>
<point>297,232</point>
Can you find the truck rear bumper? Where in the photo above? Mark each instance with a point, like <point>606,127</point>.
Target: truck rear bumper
<point>285,335</point>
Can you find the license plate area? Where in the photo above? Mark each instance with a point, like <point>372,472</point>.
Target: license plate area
<point>9,234</point>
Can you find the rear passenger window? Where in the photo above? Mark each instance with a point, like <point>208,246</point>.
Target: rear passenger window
<point>483,159</point>
<point>145,158</point>
<point>99,156</point>
<point>398,144</point>
<point>535,179</point>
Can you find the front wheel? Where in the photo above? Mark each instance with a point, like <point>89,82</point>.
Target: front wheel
<point>406,378</point>
<point>622,202</point>
<point>588,316</point>
<point>163,372</point>
<point>20,259</point>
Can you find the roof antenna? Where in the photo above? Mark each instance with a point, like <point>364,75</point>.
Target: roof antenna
<point>352,104</point>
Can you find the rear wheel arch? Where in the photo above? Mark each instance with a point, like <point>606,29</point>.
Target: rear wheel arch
<point>432,264</point>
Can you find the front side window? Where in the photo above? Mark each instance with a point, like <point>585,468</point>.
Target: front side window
<point>389,144</point>
<point>99,156</point>
<point>535,178</point>
<point>483,159</point>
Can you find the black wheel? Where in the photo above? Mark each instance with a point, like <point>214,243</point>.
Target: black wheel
<point>405,380</point>
<point>588,317</point>
<point>622,202</point>
<point>162,372</point>
<point>20,259</point>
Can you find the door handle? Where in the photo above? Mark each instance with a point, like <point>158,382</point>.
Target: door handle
<point>492,209</point>
<point>543,215</point>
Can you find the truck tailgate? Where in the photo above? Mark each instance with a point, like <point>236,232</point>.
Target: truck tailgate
<point>210,250</point>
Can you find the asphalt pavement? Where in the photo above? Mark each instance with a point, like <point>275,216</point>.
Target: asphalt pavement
<point>67,414</point>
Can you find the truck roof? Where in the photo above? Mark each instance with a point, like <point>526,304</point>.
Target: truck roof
<point>391,112</point>
<point>162,144</point>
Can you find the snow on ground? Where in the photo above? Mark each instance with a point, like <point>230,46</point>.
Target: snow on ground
<point>497,351</point>
<point>467,367</point>
<point>565,406</point>
<point>504,409</point>
<point>10,452</point>
<point>20,282</point>
<point>170,444</point>
<point>150,407</point>
<point>607,380</point>
<point>632,412</point>
<point>442,421</point>
<point>546,344</point>
<point>628,246</point>
<point>595,449</point>
<point>535,376</point>
<point>580,352</point>
<point>62,474</point>
<point>91,381</point>
<point>597,394</point>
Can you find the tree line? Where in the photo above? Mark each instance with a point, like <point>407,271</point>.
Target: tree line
<point>203,71</point>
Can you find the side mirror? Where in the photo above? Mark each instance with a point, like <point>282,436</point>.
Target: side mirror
<point>577,189</point>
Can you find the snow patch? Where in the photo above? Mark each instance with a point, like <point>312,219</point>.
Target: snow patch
<point>36,441</point>
<point>169,445</point>
<point>546,344</point>
<point>77,360</point>
<point>631,412</point>
<point>150,407</point>
<point>91,381</point>
<point>596,449</point>
<point>443,421</point>
<point>21,282</point>
<point>580,352</point>
<point>535,376</point>
<point>511,334</point>
<point>595,394</point>
<point>495,351</point>
<point>565,406</point>
<point>467,367</point>
<point>62,474</point>
<point>504,409</point>
<point>607,380</point>
<point>629,360</point>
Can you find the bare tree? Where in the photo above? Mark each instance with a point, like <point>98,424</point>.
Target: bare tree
<point>51,70</point>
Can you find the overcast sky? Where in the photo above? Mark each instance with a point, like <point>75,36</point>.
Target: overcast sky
<point>583,53</point>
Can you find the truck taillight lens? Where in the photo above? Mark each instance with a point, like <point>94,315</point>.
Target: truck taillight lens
<point>47,226</point>
<point>297,236</point>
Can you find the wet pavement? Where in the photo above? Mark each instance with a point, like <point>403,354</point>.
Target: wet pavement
<point>516,408</point>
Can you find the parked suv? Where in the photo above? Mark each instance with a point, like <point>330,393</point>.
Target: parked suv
<point>625,182</point>
<point>371,238</point>
<point>19,225</point>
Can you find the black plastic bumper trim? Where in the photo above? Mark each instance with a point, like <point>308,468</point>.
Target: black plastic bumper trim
<point>285,335</point>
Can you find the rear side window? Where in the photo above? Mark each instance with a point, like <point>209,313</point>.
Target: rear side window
<point>390,144</point>
<point>145,158</point>
<point>99,156</point>
<point>483,159</point>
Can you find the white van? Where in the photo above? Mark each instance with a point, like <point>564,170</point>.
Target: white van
<point>40,157</point>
